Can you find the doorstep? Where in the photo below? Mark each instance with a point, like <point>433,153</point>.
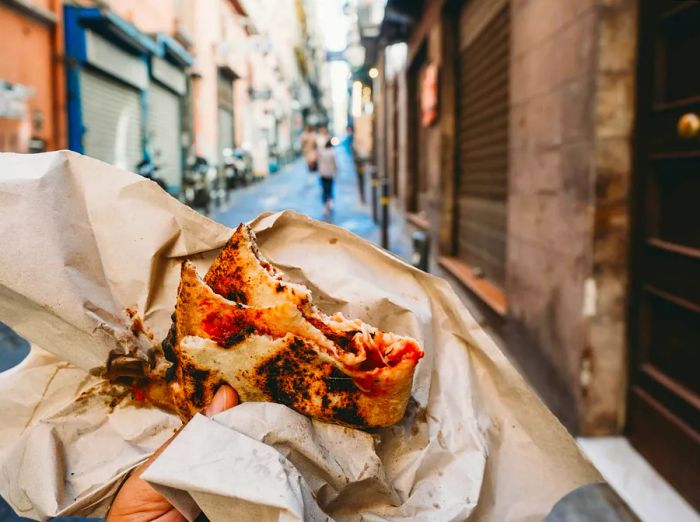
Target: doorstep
<point>633,478</point>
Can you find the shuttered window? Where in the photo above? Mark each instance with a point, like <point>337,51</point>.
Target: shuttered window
<point>482,153</point>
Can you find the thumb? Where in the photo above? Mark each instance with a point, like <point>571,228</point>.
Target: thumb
<point>225,398</point>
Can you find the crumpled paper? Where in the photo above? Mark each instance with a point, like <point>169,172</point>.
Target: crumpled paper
<point>82,240</point>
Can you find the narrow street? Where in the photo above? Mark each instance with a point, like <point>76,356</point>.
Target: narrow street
<point>293,188</point>
<point>539,158</point>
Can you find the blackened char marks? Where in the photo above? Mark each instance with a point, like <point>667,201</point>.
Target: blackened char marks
<point>297,378</point>
<point>168,346</point>
<point>349,414</point>
<point>238,337</point>
<point>237,297</point>
<point>337,381</point>
<point>198,378</point>
<point>341,339</point>
<point>287,376</point>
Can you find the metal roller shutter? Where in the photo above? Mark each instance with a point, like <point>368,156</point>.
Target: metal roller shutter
<point>111,114</point>
<point>225,129</point>
<point>164,126</point>
<point>483,149</point>
<point>225,112</point>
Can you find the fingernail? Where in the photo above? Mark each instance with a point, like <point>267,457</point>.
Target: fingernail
<point>223,400</point>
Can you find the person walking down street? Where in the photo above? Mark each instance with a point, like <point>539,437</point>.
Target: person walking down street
<point>327,170</point>
<point>322,136</point>
<point>309,148</point>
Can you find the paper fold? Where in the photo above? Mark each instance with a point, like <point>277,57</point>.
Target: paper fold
<point>84,240</point>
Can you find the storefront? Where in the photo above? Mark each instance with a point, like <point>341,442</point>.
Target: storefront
<point>107,80</point>
<point>125,93</point>
<point>225,119</point>
<point>30,102</point>
<point>481,136</point>
<point>166,104</point>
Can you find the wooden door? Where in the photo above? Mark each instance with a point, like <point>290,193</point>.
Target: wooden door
<point>664,396</point>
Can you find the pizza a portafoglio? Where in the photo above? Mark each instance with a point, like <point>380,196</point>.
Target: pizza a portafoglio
<point>246,326</point>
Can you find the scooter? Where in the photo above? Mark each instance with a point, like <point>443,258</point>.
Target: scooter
<point>148,169</point>
<point>195,187</point>
<point>230,172</point>
<point>243,162</point>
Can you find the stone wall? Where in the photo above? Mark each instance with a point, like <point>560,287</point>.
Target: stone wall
<point>570,145</point>
<point>571,106</point>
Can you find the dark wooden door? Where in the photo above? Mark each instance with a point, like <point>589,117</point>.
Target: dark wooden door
<point>664,398</point>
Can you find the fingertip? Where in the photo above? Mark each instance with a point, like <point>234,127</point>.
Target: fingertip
<point>224,398</point>
<point>230,396</point>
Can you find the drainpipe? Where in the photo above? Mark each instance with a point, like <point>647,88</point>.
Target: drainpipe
<point>58,79</point>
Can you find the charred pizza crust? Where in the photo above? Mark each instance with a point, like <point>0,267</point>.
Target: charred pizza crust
<point>273,354</point>
<point>246,326</point>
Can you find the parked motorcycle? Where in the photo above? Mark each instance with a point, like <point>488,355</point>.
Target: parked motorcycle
<point>195,187</point>
<point>148,169</point>
<point>243,162</point>
<point>229,168</point>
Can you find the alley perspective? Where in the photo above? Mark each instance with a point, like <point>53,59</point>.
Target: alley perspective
<point>483,211</point>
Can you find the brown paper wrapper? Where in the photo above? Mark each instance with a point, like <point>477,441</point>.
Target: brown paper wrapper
<point>83,240</point>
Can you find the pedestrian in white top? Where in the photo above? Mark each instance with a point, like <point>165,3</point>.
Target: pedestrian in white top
<point>327,170</point>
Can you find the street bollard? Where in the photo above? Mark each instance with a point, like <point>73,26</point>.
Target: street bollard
<point>384,201</point>
<point>361,179</point>
<point>420,250</point>
<point>374,180</point>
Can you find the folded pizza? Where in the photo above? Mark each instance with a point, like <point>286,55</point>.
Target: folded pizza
<point>246,326</point>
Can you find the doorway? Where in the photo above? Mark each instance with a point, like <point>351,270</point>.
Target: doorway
<point>664,329</point>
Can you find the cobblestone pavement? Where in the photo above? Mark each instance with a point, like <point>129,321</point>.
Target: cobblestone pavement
<point>291,188</point>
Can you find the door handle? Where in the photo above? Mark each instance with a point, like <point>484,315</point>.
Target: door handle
<point>689,125</point>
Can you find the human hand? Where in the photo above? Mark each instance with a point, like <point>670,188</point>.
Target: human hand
<point>137,501</point>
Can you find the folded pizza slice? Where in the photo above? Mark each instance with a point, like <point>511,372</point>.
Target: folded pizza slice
<point>241,273</point>
<point>273,353</point>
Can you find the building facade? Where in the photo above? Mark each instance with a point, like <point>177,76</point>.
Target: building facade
<point>160,80</point>
<point>544,153</point>
<point>31,77</point>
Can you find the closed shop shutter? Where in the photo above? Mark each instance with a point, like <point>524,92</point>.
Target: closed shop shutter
<point>111,114</point>
<point>225,112</point>
<point>483,148</point>
<point>225,129</point>
<point>164,126</point>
